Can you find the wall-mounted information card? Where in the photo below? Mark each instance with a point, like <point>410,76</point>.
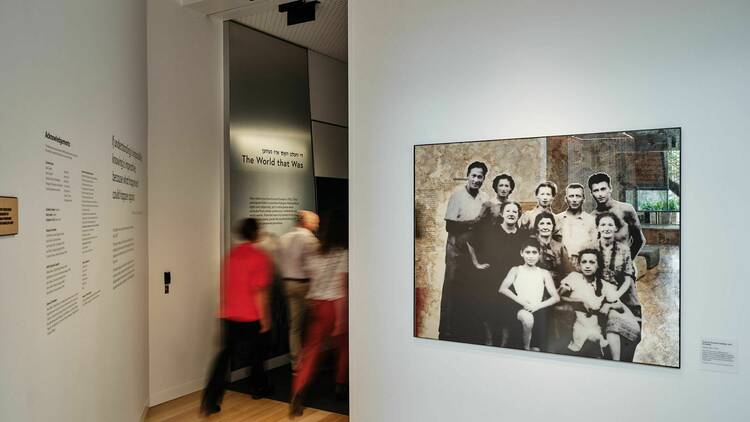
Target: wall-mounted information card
<point>719,355</point>
<point>8,215</point>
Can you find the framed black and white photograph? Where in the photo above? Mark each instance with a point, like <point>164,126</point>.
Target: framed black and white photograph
<point>560,244</point>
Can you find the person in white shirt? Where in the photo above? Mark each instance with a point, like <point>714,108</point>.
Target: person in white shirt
<point>529,283</point>
<point>295,249</point>
<point>461,215</point>
<point>576,227</point>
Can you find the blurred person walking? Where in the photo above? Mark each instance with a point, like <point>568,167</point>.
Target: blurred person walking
<point>245,316</point>
<point>328,296</point>
<point>295,249</point>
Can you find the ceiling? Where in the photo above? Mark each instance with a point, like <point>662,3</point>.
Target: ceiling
<point>327,34</point>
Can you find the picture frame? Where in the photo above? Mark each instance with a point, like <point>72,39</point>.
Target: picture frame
<point>608,201</point>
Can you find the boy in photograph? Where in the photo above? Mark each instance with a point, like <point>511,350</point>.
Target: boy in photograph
<point>529,282</point>
<point>545,193</point>
<point>600,185</point>
<point>462,213</point>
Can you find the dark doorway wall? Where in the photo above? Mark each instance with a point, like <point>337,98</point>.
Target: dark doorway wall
<point>332,194</point>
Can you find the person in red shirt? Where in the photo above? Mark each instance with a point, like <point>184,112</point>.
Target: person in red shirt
<point>245,316</point>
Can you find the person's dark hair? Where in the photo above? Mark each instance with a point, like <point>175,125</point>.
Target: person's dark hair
<point>599,266</point>
<point>507,177</point>
<point>248,229</point>
<point>546,184</point>
<point>598,178</point>
<point>477,165</point>
<point>615,218</point>
<point>334,231</point>
<point>505,204</point>
<point>545,214</point>
<point>529,241</point>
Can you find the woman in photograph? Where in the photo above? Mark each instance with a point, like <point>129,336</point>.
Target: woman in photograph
<point>558,326</point>
<point>503,185</point>
<point>552,251</point>
<point>493,252</point>
<point>622,307</point>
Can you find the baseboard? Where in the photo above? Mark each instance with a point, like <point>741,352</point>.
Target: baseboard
<point>177,391</point>
<point>145,410</point>
<point>239,374</point>
<point>198,384</point>
<point>272,363</point>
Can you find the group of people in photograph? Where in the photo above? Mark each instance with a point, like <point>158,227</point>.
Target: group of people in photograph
<point>539,280</point>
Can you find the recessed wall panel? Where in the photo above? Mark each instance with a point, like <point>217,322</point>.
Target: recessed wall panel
<point>269,147</point>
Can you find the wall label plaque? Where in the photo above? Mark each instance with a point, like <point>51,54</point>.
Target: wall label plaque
<point>719,355</point>
<point>8,216</point>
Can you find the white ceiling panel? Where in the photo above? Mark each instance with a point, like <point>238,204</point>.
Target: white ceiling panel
<point>326,34</point>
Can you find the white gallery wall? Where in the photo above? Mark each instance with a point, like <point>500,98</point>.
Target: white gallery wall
<point>73,309</point>
<point>185,148</point>
<point>425,71</point>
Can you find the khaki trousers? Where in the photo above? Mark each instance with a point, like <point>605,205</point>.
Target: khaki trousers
<point>295,292</point>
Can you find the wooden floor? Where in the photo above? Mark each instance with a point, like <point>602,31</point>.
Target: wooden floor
<point>235,408</point>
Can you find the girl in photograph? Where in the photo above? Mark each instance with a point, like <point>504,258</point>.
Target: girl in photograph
<point>583,290</point>
<point>526,285</point>
<point>621,306</point>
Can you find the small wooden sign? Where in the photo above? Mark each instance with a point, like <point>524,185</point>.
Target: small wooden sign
<point>8,215</point>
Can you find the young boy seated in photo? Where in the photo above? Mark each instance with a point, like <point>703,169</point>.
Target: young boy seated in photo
<point>528,283</point>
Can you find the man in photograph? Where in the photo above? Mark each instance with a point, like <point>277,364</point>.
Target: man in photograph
<point>575,226</point>
<point>462,213</point>
<point>600,185</point>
